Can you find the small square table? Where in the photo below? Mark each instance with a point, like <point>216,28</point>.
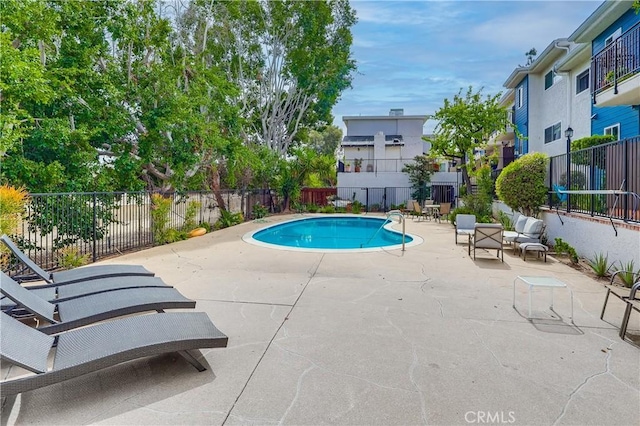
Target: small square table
<point>549,282</point>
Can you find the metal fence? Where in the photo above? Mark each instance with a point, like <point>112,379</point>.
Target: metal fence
<point>611,166</point>
<point>99,225</point>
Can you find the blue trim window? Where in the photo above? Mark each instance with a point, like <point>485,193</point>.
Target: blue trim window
<point>519,97</point>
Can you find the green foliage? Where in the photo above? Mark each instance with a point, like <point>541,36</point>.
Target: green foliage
<point>578,180</point>
<point>205,225</point>
<point>160,209</point>
<point>327,209</point>
<point>477,209</point>
<point>312,208</point>
<point>326,141</point>
<point>505,220</point>
<point>228,219</point>
<point>190,216</point>
<point>356,207</point>
<point>259,211</point>
<point>562,247</point>
<point>628,274</point>
<point>600,264</point>
<point>70,257</point>
<point>521,185</point>
<point>419,172</point>
<point>464,123</point>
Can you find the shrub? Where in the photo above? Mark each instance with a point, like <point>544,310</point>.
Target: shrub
<point>562,247</point>
<point>160,208</point>
<point>600,264</point>
<point>629,274</point>
<point>505,220</point>
<point>312,208</point>
<point>356,207</point>
<point>70,257</point>
<point>521,185</point>
<point>228,219</point>
<point>12,201</point>
<point>259,211</point>
<point>327,209</point>
<point>190,216</point>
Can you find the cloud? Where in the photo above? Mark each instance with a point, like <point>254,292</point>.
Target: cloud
<point>413,55</point>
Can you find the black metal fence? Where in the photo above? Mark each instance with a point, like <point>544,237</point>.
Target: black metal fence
<point>611,166</point>
<point>99,225</point>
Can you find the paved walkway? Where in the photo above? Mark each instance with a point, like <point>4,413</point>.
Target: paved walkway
<point>427,336</point>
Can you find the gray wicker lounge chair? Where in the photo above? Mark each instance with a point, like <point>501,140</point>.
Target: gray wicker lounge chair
<point>58,293</point>
<point>85,310</point>
<point>75,275</point>
<point>93,348</point>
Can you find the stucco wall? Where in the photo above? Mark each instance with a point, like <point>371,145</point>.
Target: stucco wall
<point>589,236</point>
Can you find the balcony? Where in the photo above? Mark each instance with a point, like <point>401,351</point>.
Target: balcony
<point>615,71</point>
<point>377,166</point>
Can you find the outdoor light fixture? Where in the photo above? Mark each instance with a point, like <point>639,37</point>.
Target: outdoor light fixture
<point>569,133</point>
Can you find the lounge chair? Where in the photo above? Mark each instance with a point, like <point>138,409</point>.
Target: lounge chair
<point>487,236</point>
<point>465,225</point>
<point>444,210</point>
<point>92,308</point>
<point>75,275</point>
<point>89,349</point>
<point>58,293</point>
<point>529,230</point>
<point>628,295</point>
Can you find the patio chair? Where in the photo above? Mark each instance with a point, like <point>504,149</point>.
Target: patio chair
<point>444,210</point>
<point>487,236</point>
<point>85,310</point>
<point>417,211</point>
<point>628,295</point>
<point>89,349</point>
<point>75,275</point>
<point>465,225</point>
<point>58,293</point>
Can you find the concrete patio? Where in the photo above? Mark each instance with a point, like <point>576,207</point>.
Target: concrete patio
<point>427,336</point>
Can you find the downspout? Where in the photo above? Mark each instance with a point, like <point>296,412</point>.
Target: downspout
<point>566,46</point>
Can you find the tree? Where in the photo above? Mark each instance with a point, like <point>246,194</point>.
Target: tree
<point>325,141</point>
<point>419,172</point>
<point>521,185</point>
<point>465,124</point>
<point>291,59</point>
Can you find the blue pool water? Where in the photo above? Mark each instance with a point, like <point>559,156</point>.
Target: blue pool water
<point>331,232</point>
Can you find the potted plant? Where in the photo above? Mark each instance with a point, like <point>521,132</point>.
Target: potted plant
<point>347,167</point>
<point>357,164</point>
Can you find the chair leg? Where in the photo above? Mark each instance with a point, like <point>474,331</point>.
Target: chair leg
<point>625,320</point>
<point>606,299</point>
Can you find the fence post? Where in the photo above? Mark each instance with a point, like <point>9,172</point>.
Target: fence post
<point>95,225</point>
<point>592,178</point>
<point>625,174</point>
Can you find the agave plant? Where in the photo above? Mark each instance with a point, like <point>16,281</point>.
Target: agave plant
<point>627,273</point>
<point>600,264</point>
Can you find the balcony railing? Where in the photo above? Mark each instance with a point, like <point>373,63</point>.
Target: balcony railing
<point>377,166</point>
<point>616,62</point>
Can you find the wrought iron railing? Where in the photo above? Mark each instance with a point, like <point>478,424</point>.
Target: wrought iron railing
<point>616,62</point>
<point>611,166</point>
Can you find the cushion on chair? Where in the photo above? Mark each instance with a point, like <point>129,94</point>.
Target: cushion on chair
<point>520,223</point>
<point>533,228</point>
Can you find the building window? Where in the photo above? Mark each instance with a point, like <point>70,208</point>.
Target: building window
<point>613,37</point>
<point>548,80</point>
<point>582,81</point>
<point>552,133</point>
<point>613,130</point>
<point>519,97</point>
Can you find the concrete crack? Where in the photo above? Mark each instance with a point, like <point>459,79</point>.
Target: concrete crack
<point>295,398</point>
<point>495,357</point>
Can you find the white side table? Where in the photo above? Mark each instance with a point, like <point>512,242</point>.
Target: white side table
<point>549,282</point>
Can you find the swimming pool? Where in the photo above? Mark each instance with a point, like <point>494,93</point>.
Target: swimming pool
<point>332,233</point>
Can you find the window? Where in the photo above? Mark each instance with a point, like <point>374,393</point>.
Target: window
<point>613,37</point>
<point>582,81</point>
<point>519,97</point>
<point>548,80</point>
<point>552,133</point>
<point>613,130</point>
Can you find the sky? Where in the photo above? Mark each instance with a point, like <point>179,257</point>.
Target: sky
<point>414,54</point>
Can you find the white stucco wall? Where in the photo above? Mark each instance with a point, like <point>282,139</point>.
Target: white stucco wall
<point>589,237</point>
